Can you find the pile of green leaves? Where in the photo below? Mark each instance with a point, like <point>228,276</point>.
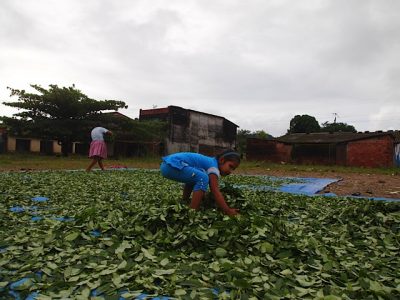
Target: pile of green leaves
<point>282,246</point>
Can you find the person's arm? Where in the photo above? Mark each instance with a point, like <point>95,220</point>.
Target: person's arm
<point>219,198</point>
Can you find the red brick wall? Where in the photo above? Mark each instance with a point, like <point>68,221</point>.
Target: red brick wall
<point>373,152</point>
<point>267,150</point>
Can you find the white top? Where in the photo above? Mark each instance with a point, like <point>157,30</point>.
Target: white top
<point>97,133</point>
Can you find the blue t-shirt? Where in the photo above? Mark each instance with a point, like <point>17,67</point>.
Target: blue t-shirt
<point>199,161</point>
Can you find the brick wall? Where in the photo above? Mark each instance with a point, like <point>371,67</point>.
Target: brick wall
<point>372,152</point>
<point>267,150</point>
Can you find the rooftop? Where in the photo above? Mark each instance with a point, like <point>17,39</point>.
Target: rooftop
<point>329,138</point>
<point>166,110</point>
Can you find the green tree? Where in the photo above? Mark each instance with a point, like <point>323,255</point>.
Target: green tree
<point>303,124</point>
<point>261,134</point>
<point>63,114</point>
<point>241,139</point>
<point>335,127</point>
<point>244,134</point>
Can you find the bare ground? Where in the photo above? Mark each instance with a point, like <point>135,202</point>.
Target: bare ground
<point>369,185</point>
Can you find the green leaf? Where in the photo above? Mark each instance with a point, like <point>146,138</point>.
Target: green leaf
<point>52,265</point>
<point>164,272</point>
<point>180,292</point>
<point>121,248</point>
<point>220,252</point>
<point>267,247</point>
<point>286,272</point>
<point>241,283</point>
<point>72,236</point>
<point>122,265</point>
<point>164,262</point>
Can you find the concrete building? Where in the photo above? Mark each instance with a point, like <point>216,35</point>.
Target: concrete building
<point>194,131</point>
<point>368,149</point>
<point>34,145</point>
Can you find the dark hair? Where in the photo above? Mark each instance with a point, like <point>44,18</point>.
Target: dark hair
<point>230,155</point>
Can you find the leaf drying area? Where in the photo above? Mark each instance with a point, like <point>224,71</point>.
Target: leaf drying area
<point>125,234</point>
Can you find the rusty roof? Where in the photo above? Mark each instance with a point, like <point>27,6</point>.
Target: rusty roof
<point>329,138</point>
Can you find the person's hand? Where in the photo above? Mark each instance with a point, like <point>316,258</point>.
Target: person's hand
<point>232,211</point>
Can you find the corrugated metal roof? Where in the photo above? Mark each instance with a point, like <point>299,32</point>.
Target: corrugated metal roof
<point>328,138</point>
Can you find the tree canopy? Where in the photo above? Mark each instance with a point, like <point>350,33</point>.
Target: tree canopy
<point>335,127</point>
<point>303,124</point>
<point>64,114</point>
<point>244,134</point>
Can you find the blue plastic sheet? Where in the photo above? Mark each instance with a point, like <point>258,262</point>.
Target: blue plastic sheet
<point>63,219</point>
<point>95,233</point>
<point>19,283</point>
<point>307,186</point>
<point>40,199</point>
<point>300,186</point>
<point>17,209</point>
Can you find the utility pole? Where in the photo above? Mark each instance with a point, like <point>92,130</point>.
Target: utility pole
<point>336,115</point>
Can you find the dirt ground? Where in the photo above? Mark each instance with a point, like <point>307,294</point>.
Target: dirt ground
<point>369,185</point>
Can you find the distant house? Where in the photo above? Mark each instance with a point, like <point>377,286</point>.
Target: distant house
<point>368,149</point>
<point>122,146</point>
<point>26,144</point>
<point>194,131</point>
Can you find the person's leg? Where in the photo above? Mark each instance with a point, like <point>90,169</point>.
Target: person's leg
<point>187,190</point>
<point>94,161</point>
<point>196,199</point>
<point>100,162</point>
<point>195,178</point>
<point>199,189</point>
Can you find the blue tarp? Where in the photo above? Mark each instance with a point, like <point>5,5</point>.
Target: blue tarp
<point>296,185</point>
<point>308,186</point>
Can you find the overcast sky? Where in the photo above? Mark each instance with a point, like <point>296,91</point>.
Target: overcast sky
<point>257,63</point>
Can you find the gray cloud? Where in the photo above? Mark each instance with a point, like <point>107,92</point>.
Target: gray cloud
<point>257,63</point>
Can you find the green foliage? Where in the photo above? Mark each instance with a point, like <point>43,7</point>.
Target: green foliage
<point>303,124</point>
<point>143,131</point>
<point>335,127</point>
<point>281,246</point>
<point>244,134</point>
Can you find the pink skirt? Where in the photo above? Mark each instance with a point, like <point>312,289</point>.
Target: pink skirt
<point>98,148</point>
